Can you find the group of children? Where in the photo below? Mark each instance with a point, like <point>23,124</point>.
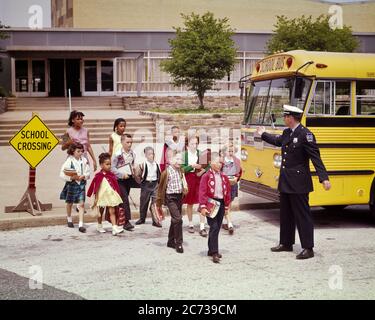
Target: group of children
<point>185,175</point>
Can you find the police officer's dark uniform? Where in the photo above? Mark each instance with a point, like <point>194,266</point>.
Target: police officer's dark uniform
<point>295,184</point>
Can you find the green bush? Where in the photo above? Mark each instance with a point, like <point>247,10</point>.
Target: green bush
<point>3,92</point>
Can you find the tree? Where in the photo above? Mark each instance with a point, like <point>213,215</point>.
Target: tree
<point>304,33</point>
<point>202,52</point>
<point>3,33</point>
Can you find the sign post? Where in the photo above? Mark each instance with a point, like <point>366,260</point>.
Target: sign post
<point>33,142</point>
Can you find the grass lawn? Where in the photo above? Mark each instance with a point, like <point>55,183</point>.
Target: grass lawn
<point>191,110</point>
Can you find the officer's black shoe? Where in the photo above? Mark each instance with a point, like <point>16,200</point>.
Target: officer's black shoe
<point>305,254</point>
<point>282,247</point>
<point>179,249</point>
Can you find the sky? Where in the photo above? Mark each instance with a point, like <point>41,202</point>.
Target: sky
<point>15,13</point>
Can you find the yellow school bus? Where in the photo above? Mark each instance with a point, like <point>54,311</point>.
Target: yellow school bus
<point>337,93</point>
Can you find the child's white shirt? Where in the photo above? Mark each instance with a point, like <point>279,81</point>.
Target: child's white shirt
<point>81,166</point>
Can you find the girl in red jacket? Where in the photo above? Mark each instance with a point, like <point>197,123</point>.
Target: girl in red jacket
<point>214,201</point>
<point>107,193</point>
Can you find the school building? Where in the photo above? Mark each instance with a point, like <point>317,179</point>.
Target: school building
<point>114,47</point>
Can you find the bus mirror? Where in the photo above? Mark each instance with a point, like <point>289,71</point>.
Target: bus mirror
<point>241,88</point>
<point>298,88</point>
<point>273,118</point>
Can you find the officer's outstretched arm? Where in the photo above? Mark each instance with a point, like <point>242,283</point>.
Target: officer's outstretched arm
<point>275,140</point>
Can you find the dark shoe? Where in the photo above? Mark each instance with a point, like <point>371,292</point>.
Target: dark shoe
<point>140,221</point>
<point>281,247</point>
<point>203,233</point>
<point>128,226</point>
<point>224,226</point>
<point>180,249</point>
<point>209,254</point>
<point>70,225</point>
<point>231,230</point>
<point>155,224</point>
<point>171,245</point>
<point>82,229</point>
<point>215,258</point>
<point>305,254</point>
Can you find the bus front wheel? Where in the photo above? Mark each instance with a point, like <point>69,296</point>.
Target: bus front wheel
<point>372,212</point>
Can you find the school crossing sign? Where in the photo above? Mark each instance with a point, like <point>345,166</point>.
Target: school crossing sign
<point>34,141</point>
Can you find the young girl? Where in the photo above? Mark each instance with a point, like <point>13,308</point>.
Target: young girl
<point>232,169</point>
<point>115,138</point>
<point>193,172</point>
<point>77,133</point>
<point>107,193</point>
<point>75,171</point>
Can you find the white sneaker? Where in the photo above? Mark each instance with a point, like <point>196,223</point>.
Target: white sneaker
<point>100,229</point>
<point>116,230</point>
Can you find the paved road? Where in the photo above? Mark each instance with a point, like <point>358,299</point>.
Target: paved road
<point>138,265</point>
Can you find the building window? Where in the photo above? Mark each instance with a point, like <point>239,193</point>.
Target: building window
<point>126,74</point>
<point>154,80</point>
<point>365,98</point>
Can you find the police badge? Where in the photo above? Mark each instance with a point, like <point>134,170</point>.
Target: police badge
<point>309,137</point>
<point>295,140</point>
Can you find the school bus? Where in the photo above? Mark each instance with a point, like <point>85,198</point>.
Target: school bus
<point>336,92</point>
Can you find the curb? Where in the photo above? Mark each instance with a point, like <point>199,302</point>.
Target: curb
<point>60,219</point>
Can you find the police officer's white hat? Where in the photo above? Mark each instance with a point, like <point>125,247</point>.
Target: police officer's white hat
<point>291,110</point>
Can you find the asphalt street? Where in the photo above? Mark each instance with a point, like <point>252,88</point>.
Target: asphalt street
<point>138,265</point>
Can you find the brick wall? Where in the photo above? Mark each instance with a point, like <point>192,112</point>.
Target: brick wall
<point>146,103</point>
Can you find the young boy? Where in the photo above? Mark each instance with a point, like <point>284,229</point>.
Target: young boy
<point>122,166</point>
<point>232,169</point>
<point>149,174</point>
<point>171,189</point>
<point>214,187</point>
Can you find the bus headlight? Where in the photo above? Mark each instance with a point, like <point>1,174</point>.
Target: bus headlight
<point>277,158</point>
<point>244,155</point>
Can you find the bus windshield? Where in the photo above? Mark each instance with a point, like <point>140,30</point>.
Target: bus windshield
<point>264,104</point>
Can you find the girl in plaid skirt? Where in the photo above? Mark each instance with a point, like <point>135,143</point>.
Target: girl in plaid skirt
<point>75,172</point>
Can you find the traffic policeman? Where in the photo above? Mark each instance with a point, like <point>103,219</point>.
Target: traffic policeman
<point>298,146</point>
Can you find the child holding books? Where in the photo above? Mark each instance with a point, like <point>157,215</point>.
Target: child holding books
<point>75,172</point>
<point>214,200</point>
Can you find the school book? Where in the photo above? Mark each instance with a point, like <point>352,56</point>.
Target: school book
<point>213,207</point>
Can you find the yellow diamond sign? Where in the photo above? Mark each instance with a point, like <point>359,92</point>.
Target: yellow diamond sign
<point>34,141</point>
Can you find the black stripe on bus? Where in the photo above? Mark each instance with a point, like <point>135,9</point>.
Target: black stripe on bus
<point>347,173</point>
<point>346,145</point>
<point>340,122</point>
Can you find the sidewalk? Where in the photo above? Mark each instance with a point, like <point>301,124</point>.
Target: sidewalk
<point>14,177</point>
<point>57,216</point>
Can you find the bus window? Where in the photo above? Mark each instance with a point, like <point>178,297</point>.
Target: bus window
<point>365,98</point>
<point>265,104</point>
<point>331,98</point>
